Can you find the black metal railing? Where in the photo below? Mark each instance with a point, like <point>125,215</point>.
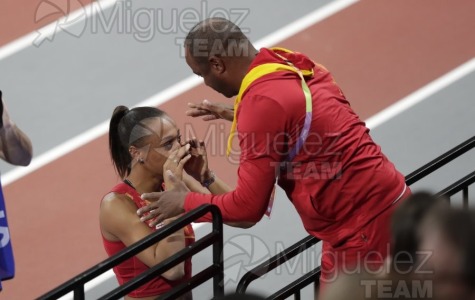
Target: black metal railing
<point>461,185</point>
<point>296,286</point>
<point>440,161</point>
<point>215,271</point>
<point>276,261</point>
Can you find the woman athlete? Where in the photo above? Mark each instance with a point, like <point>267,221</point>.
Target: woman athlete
<point>144,142</point>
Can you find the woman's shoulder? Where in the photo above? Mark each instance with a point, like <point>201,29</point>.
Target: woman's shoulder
<point>118,194</point>
<point>117,201</point>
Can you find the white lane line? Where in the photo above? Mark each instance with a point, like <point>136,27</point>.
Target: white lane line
<point>49,31</point>
<point>421,94</point>
<point>171,92</point>
<point>303,23</point>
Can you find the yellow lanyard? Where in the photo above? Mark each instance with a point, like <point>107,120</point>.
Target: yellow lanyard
<point>263,70</point>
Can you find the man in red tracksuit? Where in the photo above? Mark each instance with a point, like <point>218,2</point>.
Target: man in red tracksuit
<point>341,184</point>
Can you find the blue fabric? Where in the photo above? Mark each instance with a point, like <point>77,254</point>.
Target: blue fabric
<point>7,264</point>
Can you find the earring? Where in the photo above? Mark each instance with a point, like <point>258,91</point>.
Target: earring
<point>140,160</point>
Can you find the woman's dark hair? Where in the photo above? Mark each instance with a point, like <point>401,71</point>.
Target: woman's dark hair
<point>126,130</point>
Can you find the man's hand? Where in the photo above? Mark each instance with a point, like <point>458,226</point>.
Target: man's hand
<point>211,111</point>
<point>165,204</point>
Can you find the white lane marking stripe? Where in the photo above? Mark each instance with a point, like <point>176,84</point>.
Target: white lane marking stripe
<point>51,29</point>
<point>421,94</point>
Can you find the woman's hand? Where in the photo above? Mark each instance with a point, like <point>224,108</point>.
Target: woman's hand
<point>175,163</point>
<point>211,111</point>
<point>197,165</point>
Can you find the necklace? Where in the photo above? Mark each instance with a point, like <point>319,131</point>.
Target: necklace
<point>127,182</point>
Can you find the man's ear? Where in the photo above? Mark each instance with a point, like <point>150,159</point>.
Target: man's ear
<point>216,64</point>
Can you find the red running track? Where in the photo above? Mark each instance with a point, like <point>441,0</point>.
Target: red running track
<point>379,52</point>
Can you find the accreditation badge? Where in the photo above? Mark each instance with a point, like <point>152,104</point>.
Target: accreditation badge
<point>271,201</point>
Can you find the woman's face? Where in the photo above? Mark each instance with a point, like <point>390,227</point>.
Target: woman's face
<point>165,138</point>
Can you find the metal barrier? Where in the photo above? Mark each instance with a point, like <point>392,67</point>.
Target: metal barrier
<point>440,161</point>
<point>296,286</point>
<point>461,185</point>
<point>278,260</point>
<point>215,271</point>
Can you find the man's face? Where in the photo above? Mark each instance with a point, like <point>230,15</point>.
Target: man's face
<point>213,75</point>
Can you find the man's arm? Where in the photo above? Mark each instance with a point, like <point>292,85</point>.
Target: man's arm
<point>262,146</point>
<point>15,146</point>
<point>248,202</point>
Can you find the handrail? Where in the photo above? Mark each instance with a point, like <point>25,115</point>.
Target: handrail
<point>275,261</point>
<point>214,238</point>
<point>460,185</point>
<point>297,285</point>
<point>440,161</point>
<point>282,257</point>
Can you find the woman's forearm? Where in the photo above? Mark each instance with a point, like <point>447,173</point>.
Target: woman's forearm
<point>169,246</point>
<point>194,185</point>
<point>217,187</point>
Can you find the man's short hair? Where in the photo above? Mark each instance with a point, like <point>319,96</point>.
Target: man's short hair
<point>216,37</point>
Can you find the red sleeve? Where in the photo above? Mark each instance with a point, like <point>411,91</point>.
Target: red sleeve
<point>261,124</point>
